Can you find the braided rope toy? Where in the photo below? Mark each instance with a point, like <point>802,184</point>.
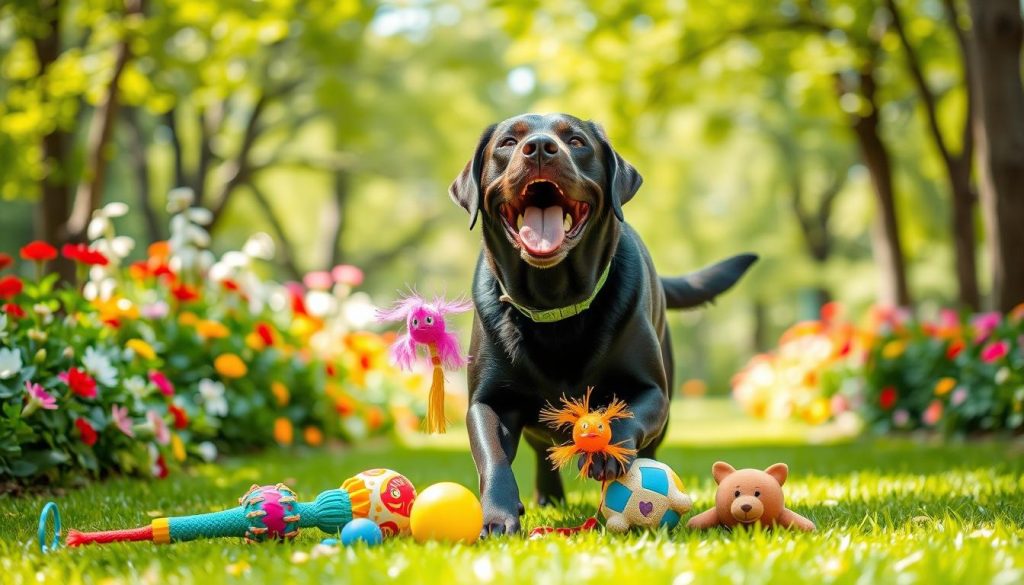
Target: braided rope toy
<point>268,512</point>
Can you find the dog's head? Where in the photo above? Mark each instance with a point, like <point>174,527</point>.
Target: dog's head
<point>542,183</point>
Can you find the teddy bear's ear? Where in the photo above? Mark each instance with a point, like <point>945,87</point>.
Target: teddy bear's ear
<point>721,470</point>
<point>780,471</point>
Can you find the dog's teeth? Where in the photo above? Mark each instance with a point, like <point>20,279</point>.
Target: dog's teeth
<point>567,223</point>
<point>519,222</point>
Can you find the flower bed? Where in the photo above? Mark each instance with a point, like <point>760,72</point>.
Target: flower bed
<point>957,374</point>
<point>142,365</point>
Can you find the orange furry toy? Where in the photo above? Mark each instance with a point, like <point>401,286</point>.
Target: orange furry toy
<point>591,431</point>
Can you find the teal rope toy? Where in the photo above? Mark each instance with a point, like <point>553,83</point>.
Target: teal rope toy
<point>49,510</point>
<point>268,512</point>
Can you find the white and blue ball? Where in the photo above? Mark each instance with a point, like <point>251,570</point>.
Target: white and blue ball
<point>650,495</point>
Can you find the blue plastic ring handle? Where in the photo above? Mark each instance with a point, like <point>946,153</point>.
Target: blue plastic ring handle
<point>50,509</point>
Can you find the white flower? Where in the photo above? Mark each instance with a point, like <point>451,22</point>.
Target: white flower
<point>3,325</point>
<point>98,227</point>
<point>98,364</point>
<point>213,397</point>
<point>259,245</point>
<point>199,215</point>
<point>359,310</point>
<point>198,236</point>
<point>137,387</point>
<point>179,199</point>
<point>10,363</point>
<point>115,209</point>
<point>207,450</point>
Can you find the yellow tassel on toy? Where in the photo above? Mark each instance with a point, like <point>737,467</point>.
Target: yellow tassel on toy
<point>425,322</point>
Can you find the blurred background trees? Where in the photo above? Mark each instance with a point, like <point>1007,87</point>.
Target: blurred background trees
<point>870,150</point>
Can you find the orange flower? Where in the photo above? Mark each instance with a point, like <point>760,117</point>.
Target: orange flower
<point>944,386</point>
<point>212,329</point>
<point>229,365</point>
<point>159,250</point>
<point>1017,313</point>
<point>313,436</point>
<point>894,349</point>
<point>374,418</point>
<point>280,392</point>
<point>283,431</point>
<point>694,388</point>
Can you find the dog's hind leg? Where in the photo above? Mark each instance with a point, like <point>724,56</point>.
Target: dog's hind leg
<point>548,488</point>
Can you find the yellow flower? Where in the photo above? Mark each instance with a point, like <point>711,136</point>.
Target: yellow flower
<point>944,386</point>
<point>141,349</point>
<point>188,319</point>
<point>254,341</point>
<point>894,349</point>
<point>177,447</point>
<point>313,436</point>
<point>280,393</point>
<point>212,329</point>
<point>230,365</point>
<point>816,412</point>
<point>283,432</point>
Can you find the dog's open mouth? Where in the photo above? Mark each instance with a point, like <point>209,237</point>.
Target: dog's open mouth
<point>542,218</point>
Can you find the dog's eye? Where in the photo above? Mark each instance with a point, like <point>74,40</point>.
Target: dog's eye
<point>737,494</point>
<point>508,142</point>
<point>429,320</point>
<point>415,322</point>
<point>757,494</point>
<point>577,142</point>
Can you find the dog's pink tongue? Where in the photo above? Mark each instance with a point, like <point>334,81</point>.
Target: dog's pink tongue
<point>542,229</point>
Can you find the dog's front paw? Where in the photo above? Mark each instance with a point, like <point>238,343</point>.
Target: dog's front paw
<point>499,520</point>
<point>607,468</point>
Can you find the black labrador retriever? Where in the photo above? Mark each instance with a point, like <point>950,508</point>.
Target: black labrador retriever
<point>566,297</point>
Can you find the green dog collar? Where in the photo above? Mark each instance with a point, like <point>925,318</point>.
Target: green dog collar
<point>553,315</point>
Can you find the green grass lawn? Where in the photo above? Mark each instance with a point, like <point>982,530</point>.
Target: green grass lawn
<point>887,511</point>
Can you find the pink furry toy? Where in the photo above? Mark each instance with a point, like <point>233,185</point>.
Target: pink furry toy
<point>425,326</point>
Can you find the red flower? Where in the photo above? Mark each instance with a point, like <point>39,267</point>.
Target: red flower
<point>887,399</point>
<point>159,467</point>
<point>266,333</point>
<point>185,293</point>
<point>10,286</point>
<point>180,416</point>
<point>82,253</point>
<point>331,370</point>
<point>5,261</point>
<point>14,310</point>
<point>86,431</point>
<point>80,382</point>
<point>955,348</point>
<point>38,251</point>
<point>230,285</point>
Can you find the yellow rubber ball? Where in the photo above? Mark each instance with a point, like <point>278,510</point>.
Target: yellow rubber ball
<point>446,511</point>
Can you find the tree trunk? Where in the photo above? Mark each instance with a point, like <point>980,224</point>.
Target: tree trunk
<point>964,236</point>
<point>52,209</point>
<point>137,149</point>
<point>999,127</point>
<point>887,247</point>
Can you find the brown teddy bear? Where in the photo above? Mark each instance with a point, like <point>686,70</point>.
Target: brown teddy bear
<point>749,496</point>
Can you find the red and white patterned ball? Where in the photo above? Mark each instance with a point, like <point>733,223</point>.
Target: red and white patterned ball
<point>391,499</point>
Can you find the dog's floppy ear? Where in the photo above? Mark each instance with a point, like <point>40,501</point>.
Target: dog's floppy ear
<point>623,179</point>
<point>466,189</point>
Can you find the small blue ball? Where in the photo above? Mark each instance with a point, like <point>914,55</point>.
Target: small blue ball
<point>329,542</point>
<point>363,530</point>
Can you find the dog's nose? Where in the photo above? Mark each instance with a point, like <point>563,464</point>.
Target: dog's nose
<point>540,147</point>
<point>746,507</point>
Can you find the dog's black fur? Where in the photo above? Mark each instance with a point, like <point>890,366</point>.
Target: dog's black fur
<point>620,345</point>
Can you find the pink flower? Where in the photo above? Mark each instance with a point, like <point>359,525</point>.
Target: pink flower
<point>900,418</point>
<point>347,274</point>
<point>161,382</point>
<point>318,280</point>
<point>839,404</point>
<point>119,414</point>
<point>160,430</point>
<point>933,414</point>
<point>984,324</point>
<point>958,397</point>
<point>157,310</point>
<point>949,319</point>
<point>995,351</point>
<point>37,398</point>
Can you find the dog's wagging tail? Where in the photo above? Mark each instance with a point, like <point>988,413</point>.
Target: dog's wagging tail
<point>701,287</point>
